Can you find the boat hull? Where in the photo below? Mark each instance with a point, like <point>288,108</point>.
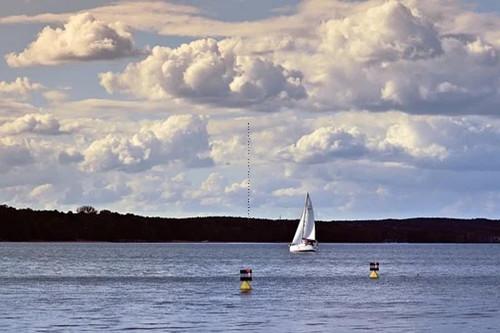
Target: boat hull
<point>300,248</point>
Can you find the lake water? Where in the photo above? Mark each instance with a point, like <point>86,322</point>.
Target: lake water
<point>195,287</point>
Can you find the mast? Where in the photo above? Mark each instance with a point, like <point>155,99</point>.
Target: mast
<point>305,212</point>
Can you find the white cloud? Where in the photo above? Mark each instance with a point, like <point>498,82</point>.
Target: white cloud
<point>226,151</point>
<point>82,38</point>
<point>289,192</point>
<point>328,143</point>
<point>32,123</point>
<point>210,191</point>
<point>420,57</point>
<point>414,137</point>
<point>387,32</point>
<point>377,56</point>
<point>182,139</point>
<point>21,87</point>
<point>435,59</point>
<point>394,56</point>
<point>205,72</point>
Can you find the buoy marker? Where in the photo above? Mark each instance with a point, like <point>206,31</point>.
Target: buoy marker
<point>374,268</point>
<point>245,279</point>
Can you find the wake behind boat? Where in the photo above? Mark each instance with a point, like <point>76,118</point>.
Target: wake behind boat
<point>304,239</point>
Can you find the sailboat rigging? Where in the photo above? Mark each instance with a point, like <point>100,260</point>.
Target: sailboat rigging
<point>304,239</point>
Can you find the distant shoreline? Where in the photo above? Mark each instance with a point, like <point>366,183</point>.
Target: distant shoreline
<point>26,225</point>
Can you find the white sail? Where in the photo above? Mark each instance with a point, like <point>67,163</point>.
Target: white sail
<point>309,225</point>
<point>297,238</point>
<point>306,228</point>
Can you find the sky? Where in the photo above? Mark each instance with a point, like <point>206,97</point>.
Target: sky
<point>378,109</point>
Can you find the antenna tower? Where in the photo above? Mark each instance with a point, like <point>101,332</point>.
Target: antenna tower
<point>248,169</point>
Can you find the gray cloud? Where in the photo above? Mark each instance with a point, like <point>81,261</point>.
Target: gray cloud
<point>13,154</point>
<point>70,156</point>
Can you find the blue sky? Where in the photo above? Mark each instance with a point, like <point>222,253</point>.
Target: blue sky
<point>377,108</point>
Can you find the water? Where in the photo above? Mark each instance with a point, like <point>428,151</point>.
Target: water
<point>195,287</point>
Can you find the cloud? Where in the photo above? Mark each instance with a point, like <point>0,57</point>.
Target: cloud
<point>210,191</point>
<point>13,154</point>
<point>445,143</point>
<point>43,192</point>
<point>328,143</point>
<point>225,151</point>
<point>55,96</point>
<point>414,137</point>
<point>204,71</point>
<point>392,56</point>
<point>70,156</point>
<point>376,56</point>
<point>421,142</point>
<point>419,57</point>
<point>289,192</point>
<point>21,88</point>
<point>82,38</point>
<point>12,108</point>
<point>32,123</point>
<point>387,32</point>
<point>179,139</point>
<point>168,19</point>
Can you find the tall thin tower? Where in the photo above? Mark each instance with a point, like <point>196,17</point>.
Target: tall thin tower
<point>248,169</point>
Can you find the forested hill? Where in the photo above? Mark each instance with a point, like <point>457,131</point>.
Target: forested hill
<point>30,225</point>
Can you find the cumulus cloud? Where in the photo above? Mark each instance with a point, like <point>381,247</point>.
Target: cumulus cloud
<point>21,88</point>
<point>415,139</point>
<point>32,123</point>
<point>445,143</point>
<point>392,56</point>
<point>328,143</point>
<point>376,55</point>
<point>429,142</point>
<point>225,151</point>
<point>435,63</point>
<point>206,72</point>
<point>387,32</point>
<point>82,38</point>
<point>181,139</point>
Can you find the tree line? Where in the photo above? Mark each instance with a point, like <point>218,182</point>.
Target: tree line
<point>88,224</point>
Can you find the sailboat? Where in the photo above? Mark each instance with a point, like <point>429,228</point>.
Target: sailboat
<point>304,239</point>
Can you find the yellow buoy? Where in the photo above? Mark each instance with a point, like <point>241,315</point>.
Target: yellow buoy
<point>245,286</point>
<point>245,279</point>
<point>374,267</point>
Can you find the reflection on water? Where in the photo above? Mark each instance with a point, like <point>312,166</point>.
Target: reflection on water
<point>195,287</point>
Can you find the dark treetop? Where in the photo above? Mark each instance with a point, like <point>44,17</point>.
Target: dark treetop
<point>90,225</point>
